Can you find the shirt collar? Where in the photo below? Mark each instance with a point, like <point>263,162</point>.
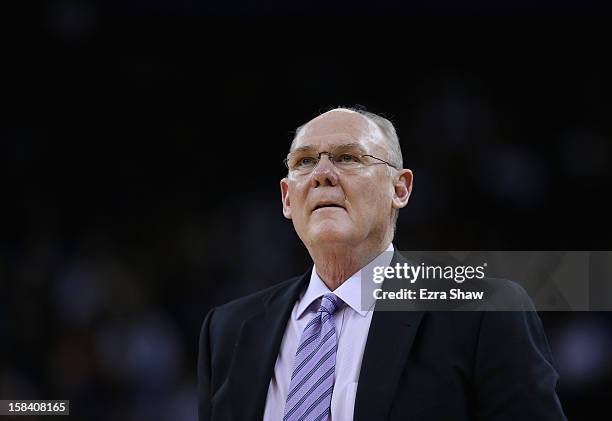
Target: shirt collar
<point>350,291</point>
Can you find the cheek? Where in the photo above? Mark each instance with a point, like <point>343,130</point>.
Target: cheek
<point>374,199</point>
<point>297,197</point>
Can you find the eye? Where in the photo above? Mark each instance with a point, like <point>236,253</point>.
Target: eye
<point>347,158</point>
<point>306,161</point>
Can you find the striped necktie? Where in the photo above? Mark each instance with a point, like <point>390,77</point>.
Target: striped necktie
<point>312,381</point>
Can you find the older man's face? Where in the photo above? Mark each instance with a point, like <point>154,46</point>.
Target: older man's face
<point>333,206</point>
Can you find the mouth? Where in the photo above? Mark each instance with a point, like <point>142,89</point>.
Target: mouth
<point>327,206</point>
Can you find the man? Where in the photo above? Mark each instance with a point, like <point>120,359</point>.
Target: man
<point>308,349</point>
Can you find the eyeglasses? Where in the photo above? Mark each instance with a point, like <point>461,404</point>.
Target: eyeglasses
<point>305,161</point>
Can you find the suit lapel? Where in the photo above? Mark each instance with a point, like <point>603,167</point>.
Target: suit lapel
<point>257,350</point>
<point>389,341</point>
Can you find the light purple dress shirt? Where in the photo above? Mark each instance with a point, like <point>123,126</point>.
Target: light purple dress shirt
<point>352,326</point>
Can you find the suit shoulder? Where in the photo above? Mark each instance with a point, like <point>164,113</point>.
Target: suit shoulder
<point>251,303</point>
<point>225,321</point>
<point>505,294</point>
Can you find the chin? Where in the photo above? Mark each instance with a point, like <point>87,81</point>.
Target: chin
<point>331,232</point>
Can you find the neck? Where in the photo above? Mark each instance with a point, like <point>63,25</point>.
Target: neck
<point>338,262</point>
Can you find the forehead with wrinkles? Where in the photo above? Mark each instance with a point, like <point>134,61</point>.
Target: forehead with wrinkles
<point>339,126</point>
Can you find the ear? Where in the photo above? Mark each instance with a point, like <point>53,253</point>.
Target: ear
<point>284,185</point>
<point>402,188</point>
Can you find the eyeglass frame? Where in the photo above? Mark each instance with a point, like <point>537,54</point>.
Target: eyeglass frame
<point>330,157</point>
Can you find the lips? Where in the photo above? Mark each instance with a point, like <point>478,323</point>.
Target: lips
<point>323,205</point>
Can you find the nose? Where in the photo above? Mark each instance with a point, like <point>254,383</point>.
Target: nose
<point>324,173</point>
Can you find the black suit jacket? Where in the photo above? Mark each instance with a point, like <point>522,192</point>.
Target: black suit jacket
<point>417,365</point>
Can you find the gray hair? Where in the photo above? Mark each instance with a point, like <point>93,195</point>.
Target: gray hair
<point>384,125</point>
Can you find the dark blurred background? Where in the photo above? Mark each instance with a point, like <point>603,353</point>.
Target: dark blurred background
<point>141,146</point>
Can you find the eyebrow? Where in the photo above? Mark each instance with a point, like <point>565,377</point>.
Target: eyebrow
<point>308,148</point>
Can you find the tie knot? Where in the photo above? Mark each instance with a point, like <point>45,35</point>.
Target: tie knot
<point>330,303</point>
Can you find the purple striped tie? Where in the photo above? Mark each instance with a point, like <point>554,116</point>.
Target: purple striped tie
<point>312,381</point>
